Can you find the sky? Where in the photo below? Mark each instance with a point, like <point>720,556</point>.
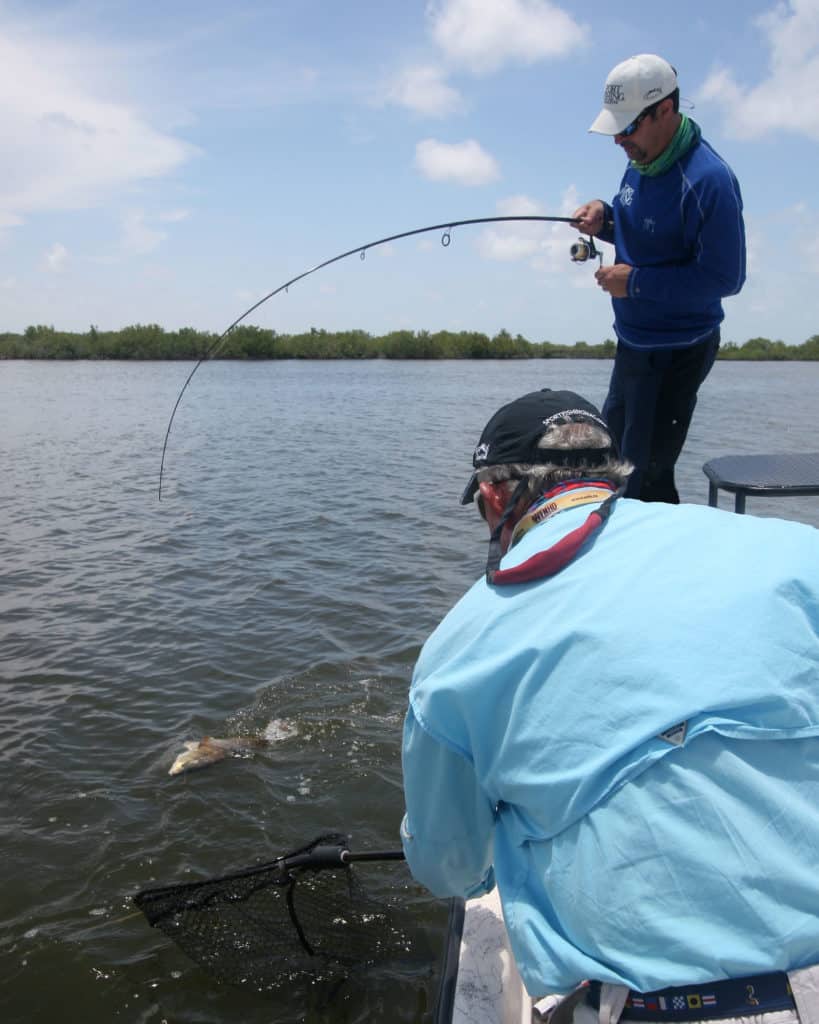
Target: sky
<point>173,162</point>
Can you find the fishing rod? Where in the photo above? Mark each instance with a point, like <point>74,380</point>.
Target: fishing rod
<point>582,250</point>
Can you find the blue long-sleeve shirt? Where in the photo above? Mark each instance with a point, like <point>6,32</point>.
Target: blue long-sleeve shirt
<point>684,235</point>
<point>533,751</point>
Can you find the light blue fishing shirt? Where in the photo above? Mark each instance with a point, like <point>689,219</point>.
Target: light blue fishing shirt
<point>533,743</point>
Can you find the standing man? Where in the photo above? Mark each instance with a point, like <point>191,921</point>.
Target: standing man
<point>679,240</point>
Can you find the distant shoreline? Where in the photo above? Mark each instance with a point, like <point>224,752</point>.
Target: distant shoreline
<point>150,342</point>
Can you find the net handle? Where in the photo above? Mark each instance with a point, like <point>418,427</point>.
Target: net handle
<point>373,855</point>
<point>325,856</point>
<point>321,857</point>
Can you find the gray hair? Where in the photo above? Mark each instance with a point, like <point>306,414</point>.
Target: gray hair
<point>562,437</point>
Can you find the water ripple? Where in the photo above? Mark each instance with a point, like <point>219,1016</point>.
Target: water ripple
<point>308,540</point>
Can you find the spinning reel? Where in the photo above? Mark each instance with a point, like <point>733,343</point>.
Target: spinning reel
<point>585,249</point>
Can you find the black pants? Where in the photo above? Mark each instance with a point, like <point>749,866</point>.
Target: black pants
<point>651,399</point>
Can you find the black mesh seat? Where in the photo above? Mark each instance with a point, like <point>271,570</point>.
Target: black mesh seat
<point>771,475</point>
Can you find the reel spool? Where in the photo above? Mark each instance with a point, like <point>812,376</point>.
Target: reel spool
<point>585,249</point>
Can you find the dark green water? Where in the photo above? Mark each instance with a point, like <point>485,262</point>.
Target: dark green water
<point>308,540</point>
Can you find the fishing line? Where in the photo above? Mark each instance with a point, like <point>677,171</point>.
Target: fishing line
<point>446,239</point>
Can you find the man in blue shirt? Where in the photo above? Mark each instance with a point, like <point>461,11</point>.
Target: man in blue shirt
<point>679,238</point>
<point>620,725</point>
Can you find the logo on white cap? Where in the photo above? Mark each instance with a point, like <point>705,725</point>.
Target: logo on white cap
<point>632,86</point>
<point>615,93</point>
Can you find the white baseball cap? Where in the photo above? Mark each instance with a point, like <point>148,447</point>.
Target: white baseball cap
<point>630,88</point>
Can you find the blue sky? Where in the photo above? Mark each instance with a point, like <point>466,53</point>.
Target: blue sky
<point>172,162</point>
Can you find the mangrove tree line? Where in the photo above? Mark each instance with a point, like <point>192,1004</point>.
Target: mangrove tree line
<point>150,341</point>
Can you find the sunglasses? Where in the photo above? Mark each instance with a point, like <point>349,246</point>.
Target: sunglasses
<point>630,129</point>
<point>479,503</point>
<point>478,498</point>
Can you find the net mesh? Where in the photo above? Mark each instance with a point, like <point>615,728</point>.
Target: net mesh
<point>270,925</point>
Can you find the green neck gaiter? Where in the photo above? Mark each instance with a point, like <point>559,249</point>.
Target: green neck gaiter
<point>688,134</point>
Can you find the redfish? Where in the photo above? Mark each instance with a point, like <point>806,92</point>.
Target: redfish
<point>209,750</point>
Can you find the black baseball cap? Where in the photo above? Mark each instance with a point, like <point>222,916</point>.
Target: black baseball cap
<point>512,434</point>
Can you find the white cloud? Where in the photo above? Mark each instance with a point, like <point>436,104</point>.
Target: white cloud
<point>137,234</point>
<point>425,90</point>
<point>63,143</point>
<point>517,239</point>
<point>56,258</point>
<point>811,255</point>
<point>140,233</point>
<point>800,234</point>
<point>174,216</point>
<point>464,162</point>
<point>756,245</point>
<point>483,35</point>
<point>781,101</point>
<point>543,244</point>
<point>793,28</point>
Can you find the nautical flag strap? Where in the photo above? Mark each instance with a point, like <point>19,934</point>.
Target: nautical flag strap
<point>734,997</point>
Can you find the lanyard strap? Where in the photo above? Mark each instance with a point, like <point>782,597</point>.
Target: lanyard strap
<point>551,561</point>
<point>554,501</point>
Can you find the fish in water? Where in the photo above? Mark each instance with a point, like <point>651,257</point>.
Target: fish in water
<point>208,750</point>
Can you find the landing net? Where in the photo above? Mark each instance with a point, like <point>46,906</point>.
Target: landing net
<point>302,915</point>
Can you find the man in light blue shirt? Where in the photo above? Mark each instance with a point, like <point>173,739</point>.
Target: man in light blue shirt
<point>619,725</point>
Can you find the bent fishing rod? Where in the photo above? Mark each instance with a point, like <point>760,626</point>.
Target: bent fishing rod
<point>582,250</point>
